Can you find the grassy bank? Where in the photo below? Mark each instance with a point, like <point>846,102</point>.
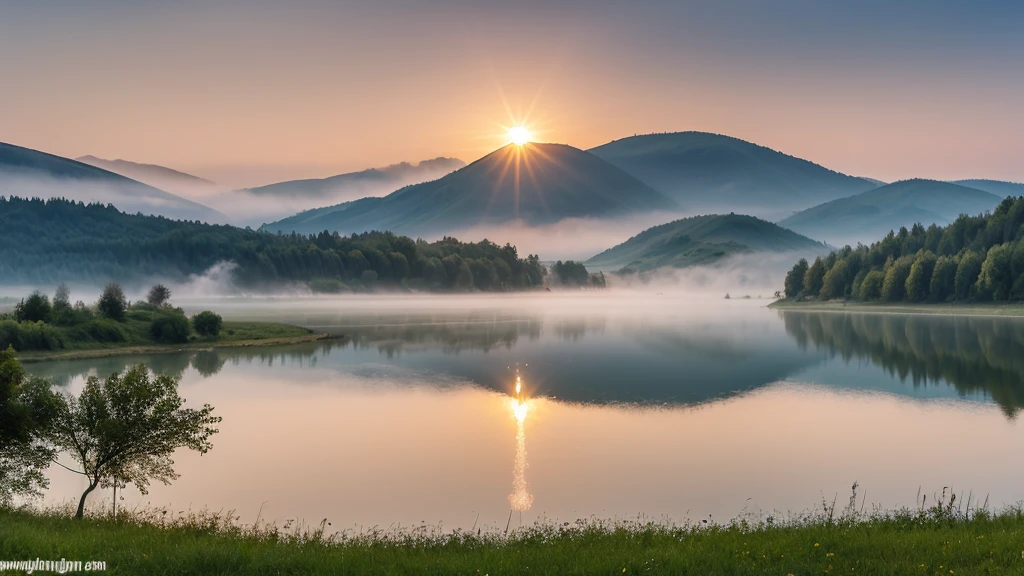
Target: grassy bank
<point>906,543</point>
<point>233,335</point>
<point>959,309</point>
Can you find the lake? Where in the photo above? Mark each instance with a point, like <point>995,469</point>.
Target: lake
<point>632,405</point>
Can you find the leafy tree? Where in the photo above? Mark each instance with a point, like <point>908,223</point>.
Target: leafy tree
<point>833,285</point>
<point>112,302</point>
<point>571,273</point>
<point>894,288</point>
<point>125,430</point>
<point>814,278</point>
<point>171,327</point>
<point>967,274</point>
<point>207,323</point>
<point>995,278</point>
<point>62,298</point>
<point>25,414</point>
<point>35,308</point>
<point>158,295</point>
<point>794,283</point>
<point>943,284</point>
<point>871,287</point>
<point>918,285</point>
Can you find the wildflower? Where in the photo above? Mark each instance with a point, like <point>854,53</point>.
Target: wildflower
<point>623,570</point>
<point>829,554</point>
<point>816,544</point>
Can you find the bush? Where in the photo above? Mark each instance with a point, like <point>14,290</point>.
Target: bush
<point>112,303</point>
<point>207,323</point>
<point>29,336</point>
<point>170,328</point>
<point>158,295</point>
<point>35,308</point>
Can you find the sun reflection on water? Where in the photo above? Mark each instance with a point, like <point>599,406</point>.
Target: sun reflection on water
<point>520,499</point>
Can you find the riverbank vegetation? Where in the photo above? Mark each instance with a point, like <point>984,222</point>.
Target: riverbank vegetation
<point>39,324</point>
<point>974,259</point>
<point>943,539</point>
<point>99,244</point>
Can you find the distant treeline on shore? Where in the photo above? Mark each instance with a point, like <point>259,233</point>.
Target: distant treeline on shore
<point>53,241</point>
<point>976,258</point>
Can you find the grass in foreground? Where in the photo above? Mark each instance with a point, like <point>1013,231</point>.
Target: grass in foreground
<point>939,541</point>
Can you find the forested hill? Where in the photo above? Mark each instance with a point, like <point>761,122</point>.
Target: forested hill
<point>979,258</point>
<point>53,241</point>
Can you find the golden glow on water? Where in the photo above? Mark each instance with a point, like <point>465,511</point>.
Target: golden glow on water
<point>520,499</point>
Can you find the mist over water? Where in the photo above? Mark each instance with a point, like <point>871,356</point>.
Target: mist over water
<point>674,405</point>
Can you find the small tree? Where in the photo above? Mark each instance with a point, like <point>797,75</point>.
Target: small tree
<point>62,298</point>
<point>26,410</point>
<point>158,295</point>
<point>112,302</point>
<point>795,279</point>
<point>124,430</point>
<point>35,308</point>
<point>207,323</point>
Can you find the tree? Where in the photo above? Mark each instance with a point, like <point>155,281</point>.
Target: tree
<point>170,327</point>
<point>207,323</point>
<point>35,308</point>
<point>943,284</point>
<point>124,430</point>
<point>833,285</point>
<point>918,285</point>
<point>62,298</point>
<point>871,287</point>
<point>112,302</point>
<point>967,274</point>
<point>26,411</point>
<point>894,287</point>
<point>995,279</point>
<point>158,295</point>
<point>795,279</point>
<point>814,278</point>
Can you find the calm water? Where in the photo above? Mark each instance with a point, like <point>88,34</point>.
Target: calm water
<point>663,406</point>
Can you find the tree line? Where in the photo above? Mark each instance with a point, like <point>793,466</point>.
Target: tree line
<point>975,258</point>
<point>57,240</point>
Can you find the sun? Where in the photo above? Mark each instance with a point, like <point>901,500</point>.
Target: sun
<point>519,135</point>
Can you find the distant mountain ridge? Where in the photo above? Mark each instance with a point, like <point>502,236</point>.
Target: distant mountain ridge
<point>872,214</point>
<point>27,172</point>
<point>997,187</point>
<point>712,172</point>
<point>701,240</point>
<point>553,182</point>
<point>397,175</point>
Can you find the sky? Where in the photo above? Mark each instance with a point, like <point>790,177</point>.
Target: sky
<point>252,92</point>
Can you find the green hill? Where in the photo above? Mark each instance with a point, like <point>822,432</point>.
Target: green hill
<point>997,187</point>
<point>553,182</point>
<point>43,243</point>
<point>714,173</point>
<point>30,173</point>
<point>872,214</point>
<point>701,240</point>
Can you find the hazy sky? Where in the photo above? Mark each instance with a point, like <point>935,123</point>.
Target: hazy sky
<point>249,92</point>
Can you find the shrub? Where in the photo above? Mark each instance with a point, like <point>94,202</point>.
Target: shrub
<point>113,303</point>
<point>207,323</point>
<point>170,327</point>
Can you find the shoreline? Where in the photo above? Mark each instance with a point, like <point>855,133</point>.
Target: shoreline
<point>49,356</point>
<point>1014,310</point>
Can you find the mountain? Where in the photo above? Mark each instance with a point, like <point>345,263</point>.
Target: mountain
<point>871,215</point>
<point>701,240</point>
<point>997,187</point>
<point>710,172</point>
<point>157,176</point>
<point>534,183</point>
<point>360,184</point>
<point>30,173</point>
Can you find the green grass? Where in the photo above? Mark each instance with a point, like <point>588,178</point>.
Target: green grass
<point>933,542</point>
<point>959,308</point>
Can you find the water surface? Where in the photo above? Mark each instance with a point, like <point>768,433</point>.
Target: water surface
<point>645,405</point>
